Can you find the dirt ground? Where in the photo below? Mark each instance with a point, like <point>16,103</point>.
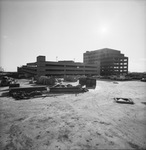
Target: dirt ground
<point>90,120</point>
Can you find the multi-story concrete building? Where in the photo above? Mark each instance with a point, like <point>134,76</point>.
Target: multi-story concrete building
<point>60,68</point>
<point>112,62</point>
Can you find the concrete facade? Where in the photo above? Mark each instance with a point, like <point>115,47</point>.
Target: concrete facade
<point>112,62</point>
<point>60,68</point>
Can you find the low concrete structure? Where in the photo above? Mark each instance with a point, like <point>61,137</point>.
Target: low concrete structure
<point>51,68</point>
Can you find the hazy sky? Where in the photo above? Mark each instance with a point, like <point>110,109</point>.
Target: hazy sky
<point>67,29</point>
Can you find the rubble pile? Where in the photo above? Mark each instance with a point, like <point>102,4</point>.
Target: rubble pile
<point>6,81</point>
<point>70,78</point>
<point>44,80</point>
<point>19,95</point>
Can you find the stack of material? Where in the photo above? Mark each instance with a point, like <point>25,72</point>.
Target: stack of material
<point>25,95</point>
<point>44,80</point>
<point>67,89</point>
<point>27,92</point>
<point>60,85</point>
<point>70,78</point>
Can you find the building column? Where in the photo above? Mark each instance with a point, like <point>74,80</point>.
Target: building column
<point>41,66</point>
<point>127,65</point>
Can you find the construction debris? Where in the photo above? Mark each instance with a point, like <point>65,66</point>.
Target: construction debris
<point>27,89</point>
<point>27,92</point>
<point>43,91</point>
<point>88,82</point>
<point>44,80</point>
<point>70,78</point>
<point>25,95</point>
<point>5,81</point>
<point>8,81</point>
<point>67,89</point>
<point>124,100</point>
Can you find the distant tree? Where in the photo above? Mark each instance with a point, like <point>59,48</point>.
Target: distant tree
<point>1,69</point>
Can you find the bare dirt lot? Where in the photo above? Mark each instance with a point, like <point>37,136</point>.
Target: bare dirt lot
<point>90,120</point>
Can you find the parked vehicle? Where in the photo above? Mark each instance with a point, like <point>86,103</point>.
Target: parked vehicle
<point>143,79</point>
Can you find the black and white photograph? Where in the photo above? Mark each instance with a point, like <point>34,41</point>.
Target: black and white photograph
<point>72,74</point>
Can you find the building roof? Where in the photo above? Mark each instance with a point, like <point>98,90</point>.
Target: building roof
<point>103,49</point>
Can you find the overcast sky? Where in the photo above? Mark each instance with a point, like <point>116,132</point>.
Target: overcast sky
<point>67,29</point>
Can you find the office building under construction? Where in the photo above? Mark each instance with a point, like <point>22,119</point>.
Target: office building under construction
<point>112,62</point>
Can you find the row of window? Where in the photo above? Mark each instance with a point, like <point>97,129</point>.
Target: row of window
<point>29,68</point>
<point>114,70</point>
<point>120,63</point>
<point>110,67</point>
<point>71,70</point>
<point>53,65</point>
<point>105,56</point>
<point>109,56</point>
<point>74,66</point>
<point>120,67</point>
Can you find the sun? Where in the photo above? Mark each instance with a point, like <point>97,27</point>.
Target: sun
<point>104,30</point>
